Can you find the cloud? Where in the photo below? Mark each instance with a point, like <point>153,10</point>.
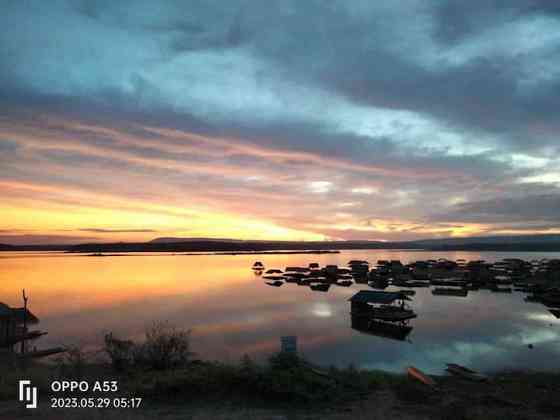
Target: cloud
<point>38,239</point>
<point>525,209</point>
<point>423,109</point>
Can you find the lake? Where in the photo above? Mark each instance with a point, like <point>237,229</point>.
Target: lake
<point>232,312</point>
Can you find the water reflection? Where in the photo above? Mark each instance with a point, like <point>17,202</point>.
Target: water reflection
<point>232,311</point>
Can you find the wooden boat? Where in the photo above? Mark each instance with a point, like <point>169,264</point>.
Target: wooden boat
<point>532,299</point>
<point>320,287</point>
<point>379,283</point>
<point>450,291</point>
<point>273,277</point>
<point>31,335</point>
<point>417,374</point>
<point>344,283</point>
<point>466,373</point>
<point>258,266</point>
<point>555,312</point>
<point>37,354</point>
<point>497,289</point>
<point>503,280</point>
<point>448,282</point>
<point>276,283</point>
<point>551,299</point>
<point>416,283</point>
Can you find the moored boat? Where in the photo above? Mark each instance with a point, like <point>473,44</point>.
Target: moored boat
<point>450,291</point>
<point>258,266</point>
<point>320,287</point>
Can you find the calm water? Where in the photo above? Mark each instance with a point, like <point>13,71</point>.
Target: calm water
<point>231,311</point>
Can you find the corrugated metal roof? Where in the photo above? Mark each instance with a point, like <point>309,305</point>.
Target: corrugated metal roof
<point>5,310</point>
<point>370,296</point>
<point>17,314</point>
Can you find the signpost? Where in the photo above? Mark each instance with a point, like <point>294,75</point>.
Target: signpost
<point>289,344</point>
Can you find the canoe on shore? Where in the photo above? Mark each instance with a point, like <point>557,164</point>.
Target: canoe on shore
<point>420,376</point>
<point>466,373</point>
<point>37,354</point>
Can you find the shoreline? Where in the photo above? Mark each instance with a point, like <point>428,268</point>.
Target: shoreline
<point>192,392</point>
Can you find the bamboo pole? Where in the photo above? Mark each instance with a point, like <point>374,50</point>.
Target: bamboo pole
<point>25,298</point>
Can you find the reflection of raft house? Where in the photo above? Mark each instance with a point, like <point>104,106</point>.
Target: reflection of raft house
<point>383,306</point>
<point>395,331</point>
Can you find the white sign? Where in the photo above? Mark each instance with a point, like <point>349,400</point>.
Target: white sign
<point>289,344</point>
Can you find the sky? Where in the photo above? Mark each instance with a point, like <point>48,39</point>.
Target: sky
<point>286,120</point>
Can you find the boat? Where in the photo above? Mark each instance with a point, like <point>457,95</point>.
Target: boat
<point>18,338</point>
<point>551,298</point>
<point>258,265</point>
<point>379,283</point>
<point>498,289</point>
<point>344,283</point>
<point>276,283</point>
<point>36,354</point>
<point>407,292</point>
<point>273,271</point>
<point>297,269</point>
<point>420,376</point>
<point>320,287</point>
<point>384,306</point>
<point>503,280</point>
<point>555,312</point>
<point>466,373</point>
<point>448,282</point>
<point>415,283</point>
<point>450,291</point>
<point>273,277</point>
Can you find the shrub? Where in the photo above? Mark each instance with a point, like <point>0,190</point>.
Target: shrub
<point>165,347</point>
<point>120,351</point>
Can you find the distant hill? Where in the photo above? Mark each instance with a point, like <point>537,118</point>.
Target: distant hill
<point>172,240</point>
<point>217,245</point>
<point>526,243</point>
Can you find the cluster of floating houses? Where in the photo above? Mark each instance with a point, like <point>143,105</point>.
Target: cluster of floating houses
<point>387,312</point>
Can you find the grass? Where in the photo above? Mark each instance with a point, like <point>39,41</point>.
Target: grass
<point>174,385</point>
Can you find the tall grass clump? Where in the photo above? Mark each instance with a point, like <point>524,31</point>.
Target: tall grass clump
<point>164,347</point>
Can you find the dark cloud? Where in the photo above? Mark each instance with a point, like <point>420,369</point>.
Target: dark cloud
<point>526,209</point>
<point>37,239</point>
